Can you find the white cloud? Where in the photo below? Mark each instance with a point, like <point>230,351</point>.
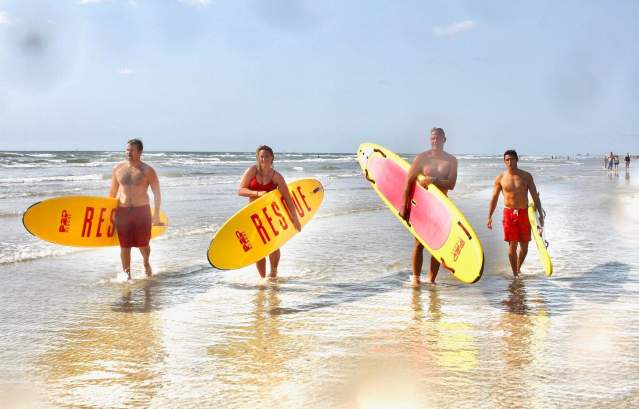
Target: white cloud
<point>200,3</point>
<point>125,71</point>
<point>84,2</point>
<point>4,18</point>
<point>452,29</point>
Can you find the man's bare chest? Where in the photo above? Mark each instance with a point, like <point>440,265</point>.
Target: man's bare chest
<point>131,176</point>
<point>436,167</point>
<point>514,184</point>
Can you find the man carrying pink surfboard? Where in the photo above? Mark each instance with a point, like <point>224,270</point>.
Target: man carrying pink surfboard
<point>439,168</point>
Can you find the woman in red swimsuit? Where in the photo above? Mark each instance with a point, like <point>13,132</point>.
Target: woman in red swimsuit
<point>258,180</point>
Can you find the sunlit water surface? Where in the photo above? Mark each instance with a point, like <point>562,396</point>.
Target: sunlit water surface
<point>341,327</point>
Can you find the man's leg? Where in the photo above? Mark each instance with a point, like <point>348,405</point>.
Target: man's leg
<point>418,260</point>
<point>523,250</point>
<point>125,257</point>
<point>512,256</point>
<point>434,269</point>
<point>261,267</point>
<point>146,252</point>
<point>274,259</point>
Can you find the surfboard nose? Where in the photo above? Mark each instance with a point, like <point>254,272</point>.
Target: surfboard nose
<point>363,153</point>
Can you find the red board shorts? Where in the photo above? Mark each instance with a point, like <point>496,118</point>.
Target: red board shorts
<point>516,225</point>
<point>134,226</point>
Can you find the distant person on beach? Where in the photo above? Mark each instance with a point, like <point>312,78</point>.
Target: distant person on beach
<point>515,184</point>
<point>440,169</point>
<point>258,180</point>
<point>611,158</point>
<point>130,182</point>
<point>616,159</point>
<point>627,160</point>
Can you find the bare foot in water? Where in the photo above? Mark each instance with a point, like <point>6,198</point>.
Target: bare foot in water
<point>430,279</point>
<point>415,282</point>
<point>148,270</point>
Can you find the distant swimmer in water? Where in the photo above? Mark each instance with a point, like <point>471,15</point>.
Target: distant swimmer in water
<point>130,182</point>
<point>627,160</point>
<point>515,184</point>
<point>258,180</point>
<point>440,169</point>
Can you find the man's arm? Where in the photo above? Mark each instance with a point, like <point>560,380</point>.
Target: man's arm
<point>154,182</point>
<point>493,202</point>
<point>409,185</point>
<point>115,185</point>
<point>535,196</point>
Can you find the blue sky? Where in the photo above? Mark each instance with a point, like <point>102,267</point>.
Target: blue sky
<point>320,76</point>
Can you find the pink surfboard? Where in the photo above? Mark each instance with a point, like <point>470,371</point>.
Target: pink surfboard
<point>434,219</point>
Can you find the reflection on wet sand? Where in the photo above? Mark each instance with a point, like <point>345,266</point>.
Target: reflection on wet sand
<point>523,328</point>
<point>417,365</point>
<point>253,359</point>
<point>110,359</point>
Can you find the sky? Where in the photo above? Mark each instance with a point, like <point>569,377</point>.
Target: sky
<point>541,77</point>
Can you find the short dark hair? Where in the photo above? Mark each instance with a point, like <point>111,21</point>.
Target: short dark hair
<point>511,152</point>
<point>439,131</point>
<point>137,143</point>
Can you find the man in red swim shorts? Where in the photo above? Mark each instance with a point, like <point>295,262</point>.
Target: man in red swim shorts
<point>515,184</point>
<point>130,182</point>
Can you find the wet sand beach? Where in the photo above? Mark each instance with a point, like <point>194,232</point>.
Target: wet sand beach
<point>341,327</point>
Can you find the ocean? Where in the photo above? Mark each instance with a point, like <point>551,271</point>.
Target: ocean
<point>341,327</point>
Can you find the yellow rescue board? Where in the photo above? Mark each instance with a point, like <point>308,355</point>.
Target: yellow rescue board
<point>82,221</point>
<point>263,225</point>
<point>434,219</point>
<point>538,234</point>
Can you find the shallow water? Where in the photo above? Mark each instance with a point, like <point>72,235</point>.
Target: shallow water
<point>341,327</point>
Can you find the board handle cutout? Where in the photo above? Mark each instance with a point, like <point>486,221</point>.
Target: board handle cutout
<point>381,152</point>
<point>465,230</point>
<point>407,222</point>
<point>443,262</point>
<point>368,177</point>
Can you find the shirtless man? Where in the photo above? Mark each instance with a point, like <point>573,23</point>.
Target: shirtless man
<point>515,184</point>
<point>129,183</point>
<point>440,169</point>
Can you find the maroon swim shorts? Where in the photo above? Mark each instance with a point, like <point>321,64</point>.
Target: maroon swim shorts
<point>134,226</point>
<point>516,225</point>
